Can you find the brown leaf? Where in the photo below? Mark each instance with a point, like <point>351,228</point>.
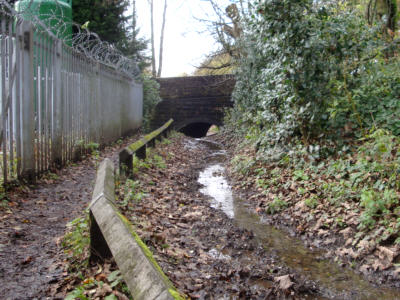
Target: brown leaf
<point>284,281</point>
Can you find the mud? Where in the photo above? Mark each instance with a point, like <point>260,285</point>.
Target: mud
<point>199,247</point>
<point>32,263</point>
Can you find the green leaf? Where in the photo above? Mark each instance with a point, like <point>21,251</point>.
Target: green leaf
<point>111,297</point>
<point>116,282</point>
<point>114,275</point>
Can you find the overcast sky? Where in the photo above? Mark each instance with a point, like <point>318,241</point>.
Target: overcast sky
<point>186,41</point>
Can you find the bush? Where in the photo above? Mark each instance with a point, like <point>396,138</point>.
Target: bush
<point>151,97</point>
<point>312,70</point>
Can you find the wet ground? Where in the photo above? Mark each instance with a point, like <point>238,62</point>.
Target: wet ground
<point>228,251</point>
<point>32,264</point>
<point>203,235</point>
<point>199,248</point>
<point>335,282</point>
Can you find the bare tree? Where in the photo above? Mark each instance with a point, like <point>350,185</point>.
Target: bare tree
<point>162,40</point>
<point>226,28</point>
<point>153,55</point>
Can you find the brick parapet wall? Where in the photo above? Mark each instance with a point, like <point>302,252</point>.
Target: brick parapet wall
<point>193,99</point>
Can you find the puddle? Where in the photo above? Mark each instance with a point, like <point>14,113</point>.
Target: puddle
<point>191,144</point>
<point>337,282</point>
<point>216,186</point>
<point>197,143</point>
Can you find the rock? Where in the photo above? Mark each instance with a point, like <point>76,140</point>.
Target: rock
<point>284,281</point>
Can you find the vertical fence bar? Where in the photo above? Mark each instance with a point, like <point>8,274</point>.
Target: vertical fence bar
<point>28,158</point>
<point>64,104</point>
<point>45,99</point>
<point>18,78</point>
<point>97,103</point>
<point>3,96</point>
<point>41,99</point>
<point>57,129</point>
<point>38,116</point>
<point>48,100</point>
<point>54,101</point>
<point>11,75</point>
<point>71,90</point>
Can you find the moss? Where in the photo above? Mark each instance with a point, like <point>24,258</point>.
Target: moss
<point>176,295</point>
<point>147,138</point>
<point>136,145</point>
<point>171,289</point>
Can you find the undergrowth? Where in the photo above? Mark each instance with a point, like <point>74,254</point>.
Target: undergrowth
<point>91,284</point>
<point>76,243</point>
<point>366,176</point>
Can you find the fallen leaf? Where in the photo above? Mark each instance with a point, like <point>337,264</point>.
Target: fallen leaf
<point>284,282</point>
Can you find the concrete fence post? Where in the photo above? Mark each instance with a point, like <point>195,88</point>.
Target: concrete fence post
<point>27,107</point>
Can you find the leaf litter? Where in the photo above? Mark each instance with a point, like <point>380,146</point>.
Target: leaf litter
<point>199,247</point>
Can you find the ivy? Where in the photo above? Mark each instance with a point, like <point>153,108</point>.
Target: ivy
<point>312,70</point>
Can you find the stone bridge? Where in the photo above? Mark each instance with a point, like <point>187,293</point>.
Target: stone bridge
<point>195,103</point>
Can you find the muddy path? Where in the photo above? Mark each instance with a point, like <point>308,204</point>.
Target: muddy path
<point>32,264</point>
<point>212,244</point>
<point>199,247</point>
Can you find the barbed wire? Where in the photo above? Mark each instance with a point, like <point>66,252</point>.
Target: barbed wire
<point>56,25</point>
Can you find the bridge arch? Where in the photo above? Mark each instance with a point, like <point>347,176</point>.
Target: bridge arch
<point>197,127</point>
<point>195,103</point>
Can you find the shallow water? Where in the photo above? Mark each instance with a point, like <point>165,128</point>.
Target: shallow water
<point>336,282</point>
<point>216,186</point>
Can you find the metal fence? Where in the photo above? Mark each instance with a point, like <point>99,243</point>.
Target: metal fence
<point>56,101</point>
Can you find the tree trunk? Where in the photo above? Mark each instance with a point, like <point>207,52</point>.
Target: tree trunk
<point>133,15</point>
<point>153,55</point>
<point>162,40</point>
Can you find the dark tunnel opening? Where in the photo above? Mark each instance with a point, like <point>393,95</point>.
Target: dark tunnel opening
<point>196,130</point>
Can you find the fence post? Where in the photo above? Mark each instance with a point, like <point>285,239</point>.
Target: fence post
<point>99,106</point>
<point>27,107</point>
<point>57,113</point>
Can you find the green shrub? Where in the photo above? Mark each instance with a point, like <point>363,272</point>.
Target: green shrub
<point>309,72</point>
<point>151,97</point>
